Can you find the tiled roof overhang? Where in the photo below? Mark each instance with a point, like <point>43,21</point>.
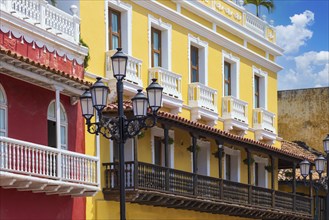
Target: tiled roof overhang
<point>216,134</point>
<point>23,68</point>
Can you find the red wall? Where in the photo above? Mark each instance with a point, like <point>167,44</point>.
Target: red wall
<point>27,114</point>
<point>27,121</point>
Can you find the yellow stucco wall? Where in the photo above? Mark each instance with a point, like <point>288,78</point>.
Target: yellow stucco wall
<point>93,33</point>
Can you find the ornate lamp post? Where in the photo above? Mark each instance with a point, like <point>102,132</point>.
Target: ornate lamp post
<point>304,168</point>
<point>326,149</point>
<point>120,128</point>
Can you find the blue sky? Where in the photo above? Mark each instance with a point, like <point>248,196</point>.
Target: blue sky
<point>303,31</point>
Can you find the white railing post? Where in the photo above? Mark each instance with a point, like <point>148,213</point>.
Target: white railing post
<point>43,5</point>
<point>76,23</point>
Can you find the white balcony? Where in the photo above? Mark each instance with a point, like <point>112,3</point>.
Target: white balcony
<point>41,14</point>
<point>264,125</point>
<point>27,166</point>
<point>171,83</point>
<point>133,80</point>
<point>235,114</point>
<point>203,102</point>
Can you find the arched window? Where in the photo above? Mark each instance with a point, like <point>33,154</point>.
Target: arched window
<point>52,126</point>
<point>3,112</point>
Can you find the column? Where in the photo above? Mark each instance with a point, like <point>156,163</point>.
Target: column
<point>58,89</point>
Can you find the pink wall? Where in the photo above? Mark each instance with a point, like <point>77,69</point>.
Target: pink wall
<point>27,121</point>
<point>27,114</point>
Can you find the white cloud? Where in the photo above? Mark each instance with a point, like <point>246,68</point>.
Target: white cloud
<point>295,35</point>
<point>311,70</point>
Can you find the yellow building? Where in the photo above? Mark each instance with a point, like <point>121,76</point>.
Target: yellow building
<point>216,62</point>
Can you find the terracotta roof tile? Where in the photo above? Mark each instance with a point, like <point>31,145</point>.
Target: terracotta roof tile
<point>297,153</point>
<point>19,57</point>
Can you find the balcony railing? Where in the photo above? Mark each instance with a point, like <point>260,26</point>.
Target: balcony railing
<point>234,108</point>
<point>264,120</point>
<point>202,96</point>
<point>45,16</point>
<point>171,82</point>
<point>38,162</point>
<point>146,177</point>
<point>133,73</point>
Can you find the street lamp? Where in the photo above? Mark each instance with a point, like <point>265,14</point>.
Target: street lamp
<point>326,149</point>
<point>319,165</point>
<point>304,168</point>
<point>120,128</point>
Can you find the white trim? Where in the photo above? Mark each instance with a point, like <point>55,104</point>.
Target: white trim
<point>237,155</point>
<point>207,33</point>
<point>62,123</point>
<point>262,87</point>
<point>158,132</point>
<point>235,73</point>
<point>4,106</point>
<point>206,146</point>
<point>126,24</point>
<point>203,58</point>
<point>264,161</point>
<point>166,45</point>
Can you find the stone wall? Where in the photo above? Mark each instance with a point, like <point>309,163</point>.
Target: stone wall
<point>303,115</point>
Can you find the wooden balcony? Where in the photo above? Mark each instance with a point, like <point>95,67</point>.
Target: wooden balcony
<point>32,167</point>
<point>150,184</point>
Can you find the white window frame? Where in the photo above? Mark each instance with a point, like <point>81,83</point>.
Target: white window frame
<point>158,132</point>
<point>262,86</point>
<point>129,146</point>
<point>202,144</point>
<point>4,106</point>
<point>235,154</point>
<point>165,29</point>
<point>126,24</point>
<point>264,161</point>
<point>62,123</point>
<point>235,73</point>
<point>203,58</point>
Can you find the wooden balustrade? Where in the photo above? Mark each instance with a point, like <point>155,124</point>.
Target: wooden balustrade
<point>162,179</point>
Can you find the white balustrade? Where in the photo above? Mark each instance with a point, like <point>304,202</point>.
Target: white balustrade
<point>234,108</point>
<point>202,96</point>
<point>41,161</point>
<point>171,82</point>
<point>133,73</point>
<point>255,24</point>
<point>45,16</point>
<point>264,120</point>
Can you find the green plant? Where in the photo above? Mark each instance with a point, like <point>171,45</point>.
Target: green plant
<point>216,154</point>
<point>87,58</point>
<point>170,140</point>
<point>288,173</point>
<point>268,168</point>
<point>246,161</point>
<point>269,4</point>
<point>190,148</point>
<point>141,135</point>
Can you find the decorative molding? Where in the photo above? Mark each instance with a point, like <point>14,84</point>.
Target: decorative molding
<point>229,57</point>
<point>213,36</point>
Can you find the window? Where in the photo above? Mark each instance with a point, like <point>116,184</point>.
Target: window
<point>259,88</point>
<point>159,38</point>
<point>3,112</point>
<point>228,166</point>
<point>128,150</point>
<point>256,174</point>
<point>114,29</point>
<point>256,95</point>
<point>227,79</point>
<point>158,147</point>
<point>119,26</point>
<point>194,64</point>
<point>198,60</point>
<point>232,164</point>
<point>203,157</point>
<point>156,47</point>
<point>230,74</point>
<point>260,173</point>
<point>52,141</point>
<point>158,151</point>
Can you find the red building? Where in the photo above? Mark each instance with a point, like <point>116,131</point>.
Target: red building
<point>44,172</point>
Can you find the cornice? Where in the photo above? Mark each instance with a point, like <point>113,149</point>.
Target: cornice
<point>232,26</point>
<point>40,34</point>
<point>207,33</point>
